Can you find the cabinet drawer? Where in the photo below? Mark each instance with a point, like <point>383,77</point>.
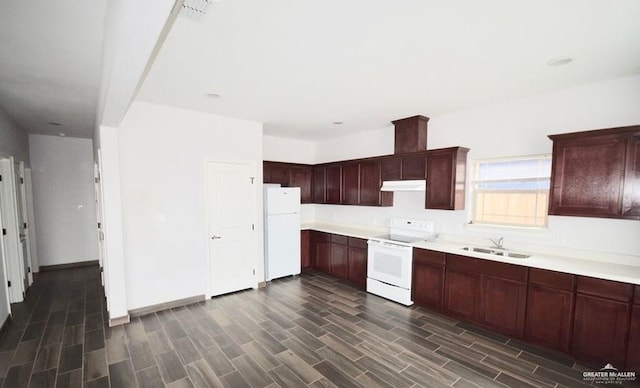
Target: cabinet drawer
<point>357,242</point>
<point>339,239</point>
<point>502,270</point>
<point>560,280</point>
<point>605,288</point>
<point>426,255</point>
<point>462,263</point>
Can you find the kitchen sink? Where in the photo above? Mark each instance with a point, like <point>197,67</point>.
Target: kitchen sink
<point>497,252</point>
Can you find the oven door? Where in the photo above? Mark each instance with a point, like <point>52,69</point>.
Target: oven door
<point>389,263</point>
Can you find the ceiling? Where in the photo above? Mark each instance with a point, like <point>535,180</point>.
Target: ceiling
<point>50,59</point>
<point>299,66</point>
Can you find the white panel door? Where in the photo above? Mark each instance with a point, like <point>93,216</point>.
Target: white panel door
<point>231,191</point>
<point>11,239</point>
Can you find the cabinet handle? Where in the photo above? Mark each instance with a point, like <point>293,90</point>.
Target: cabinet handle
<point>216,237</point>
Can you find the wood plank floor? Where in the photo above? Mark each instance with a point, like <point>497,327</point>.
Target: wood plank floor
<point>301,331</point>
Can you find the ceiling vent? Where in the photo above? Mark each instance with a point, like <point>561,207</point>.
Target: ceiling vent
<point>195,9</point>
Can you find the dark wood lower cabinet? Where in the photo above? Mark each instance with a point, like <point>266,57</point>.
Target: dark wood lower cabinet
<point>600,330</point>
<point>357,261</point>
<point>339,256</point>
<point>549,313</point>
<point>427,283</point>
<point>461,294</point>
<point>597,321</point>
<point>633,352</point>
<point>502,305</point>
<point>305,249</point>
<point>321,251</point>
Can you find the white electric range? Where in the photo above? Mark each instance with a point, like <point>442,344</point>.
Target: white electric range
<point>390,258</point>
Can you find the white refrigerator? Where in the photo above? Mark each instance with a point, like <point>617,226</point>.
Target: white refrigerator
<point>281,231</point>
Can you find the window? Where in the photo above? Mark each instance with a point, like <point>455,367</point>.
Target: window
<point>513,191</point>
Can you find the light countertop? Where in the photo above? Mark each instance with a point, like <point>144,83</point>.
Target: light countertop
<point>569,264</point>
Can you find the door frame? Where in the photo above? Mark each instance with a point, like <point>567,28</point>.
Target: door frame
<point>31,220</point>
<point>257,220</point>
<point>26,256</point>
<point>13,250</point>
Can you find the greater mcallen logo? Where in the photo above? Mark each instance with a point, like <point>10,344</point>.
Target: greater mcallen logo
<point>609,375</point>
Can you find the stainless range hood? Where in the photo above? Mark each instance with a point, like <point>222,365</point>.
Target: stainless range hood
<point>410,185</point>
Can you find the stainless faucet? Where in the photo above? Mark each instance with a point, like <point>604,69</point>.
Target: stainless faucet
<point>497,243</point>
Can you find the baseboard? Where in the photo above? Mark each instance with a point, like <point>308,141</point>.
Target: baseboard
<point>80,264</point>
<point>262,284</point>
<point>119,321</point>
<point>5,325</point>
<point>165,306</point>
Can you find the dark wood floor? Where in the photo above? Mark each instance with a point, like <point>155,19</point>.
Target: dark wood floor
<point>305,331</point>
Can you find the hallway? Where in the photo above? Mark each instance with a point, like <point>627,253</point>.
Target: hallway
<point>309,330</point>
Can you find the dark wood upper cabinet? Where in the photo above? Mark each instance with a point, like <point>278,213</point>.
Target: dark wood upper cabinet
<point>319,184</point>
<point>414,166</point>
<point>290,175</point>
<point>333,184</point>
<point>391,168</point>
<point>410,134</point>
<point>370,183</point>
<point>446,177</point>
<point>350,184</point>
<point>302,177</point>
<point>275,172</point>
<point>595,174</point>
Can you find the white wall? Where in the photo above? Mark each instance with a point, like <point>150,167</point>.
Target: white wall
<point>14,140</point>
<point>517,127</point>
<point>63,193</point>
<point>293,150</point>
<point>162,158</point>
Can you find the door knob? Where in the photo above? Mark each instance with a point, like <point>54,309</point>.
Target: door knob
<point>216,237</point>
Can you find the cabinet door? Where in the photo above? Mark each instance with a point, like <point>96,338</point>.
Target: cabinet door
<point>414,166</point>
<point>275,172</point>
<point>633,352</point>
<point>339,260</point>
<point>321,243</point>
<point>318,185</point>
<point>350,184</point>
<point>600,330</point>
<point>631,200</point>
<point>549,312</point>
<point>587,176</point>
<point>357,265</point>
<point>301,177</point>
<point>370,183</point>
<point>305,249</point>
<point>461,294</point>
<point>446,175</point>
<point>427,284</point>
<point>502,305</point>
<point>391,168</point>
<point>333,184</point>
